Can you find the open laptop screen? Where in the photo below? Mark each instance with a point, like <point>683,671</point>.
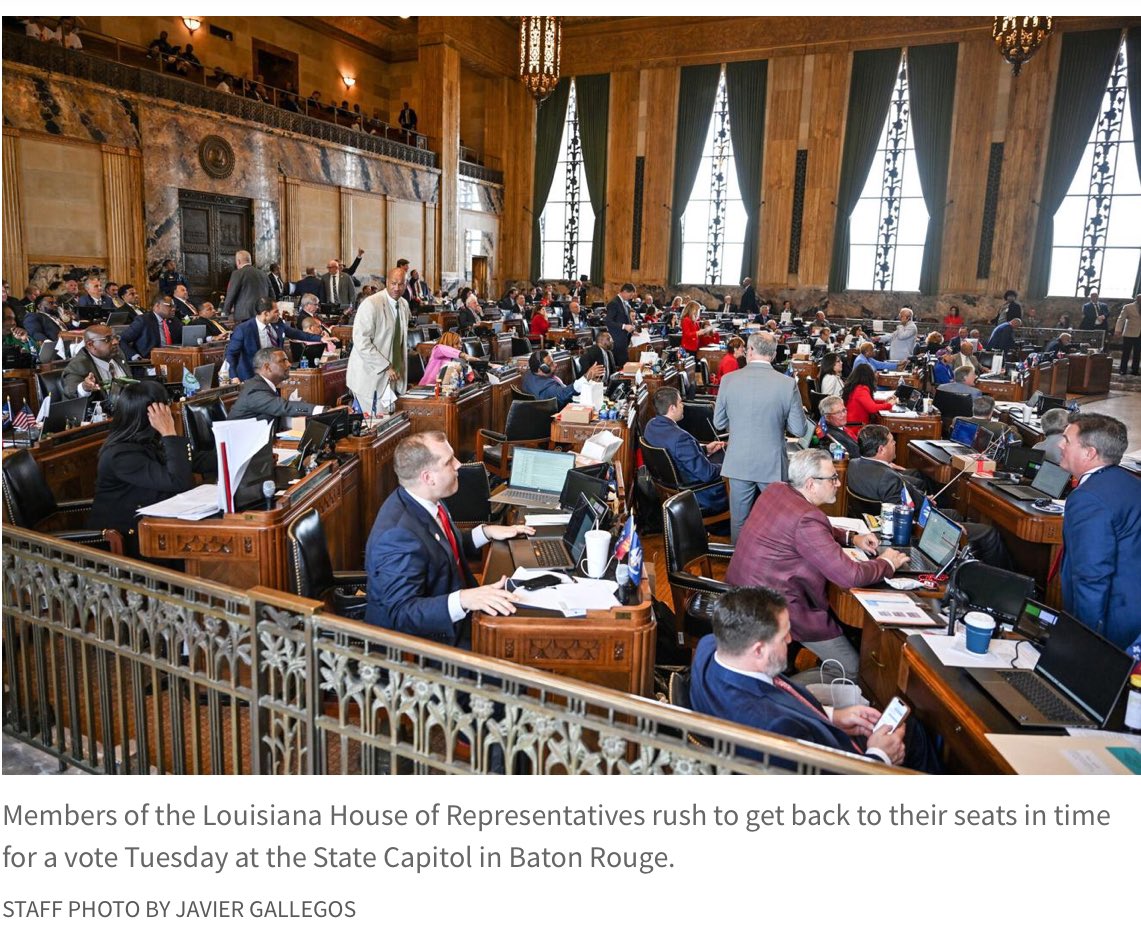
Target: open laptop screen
<point>1051,479</point>
<point>940,538</point>
<point>532,469</point>
<point>1089,669</point>
<point>964,432</point>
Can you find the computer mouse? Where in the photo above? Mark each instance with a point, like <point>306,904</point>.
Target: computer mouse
<point>1043,502</point>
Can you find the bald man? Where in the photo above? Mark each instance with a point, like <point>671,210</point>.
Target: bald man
<point>379,358</point>
<point>247,285</point>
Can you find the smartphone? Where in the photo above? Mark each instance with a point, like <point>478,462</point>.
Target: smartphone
<point>895,714</point>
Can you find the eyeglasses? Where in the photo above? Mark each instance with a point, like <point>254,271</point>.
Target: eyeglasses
<point>835,478</point>
<point>102,340</point>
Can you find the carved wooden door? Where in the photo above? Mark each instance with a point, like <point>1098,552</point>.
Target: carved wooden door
<point>214,228</point>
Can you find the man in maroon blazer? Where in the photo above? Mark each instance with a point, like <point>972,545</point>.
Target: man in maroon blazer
<point>788,544</point>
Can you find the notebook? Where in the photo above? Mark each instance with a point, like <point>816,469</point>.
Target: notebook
<point>1077,681</point>
<point>537,478</point>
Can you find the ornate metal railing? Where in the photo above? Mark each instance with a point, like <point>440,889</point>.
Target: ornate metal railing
<point>116,666</point>
<point>481,173</point>
<point>18,48</point>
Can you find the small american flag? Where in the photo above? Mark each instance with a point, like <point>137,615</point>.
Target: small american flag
<point>25,418</point>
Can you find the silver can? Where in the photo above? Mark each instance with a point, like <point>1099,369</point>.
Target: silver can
<point>887,520</point>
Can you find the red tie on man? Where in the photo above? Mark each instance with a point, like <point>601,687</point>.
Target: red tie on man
<point>444,521</point>
<point>168,340</point>
<point>782,685</point>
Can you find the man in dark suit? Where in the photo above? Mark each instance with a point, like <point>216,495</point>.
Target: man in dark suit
<point>247,285</point>
<point>261,393</point>
<point>157,329</point>
<point>690,459</point>
<point>787,543</point>
<point>265,329</point>
<point>1003,337</point>
<point>1092,311</point>
<point>1101,531</point>
<point>541,382</point>
<point>601,354</point>
<point>737,676</point>
<point>93,298</point>
<point>336,286</point>
<point>311,284</point>
<point>43,324</point>
<point>835,415</point>
<point>95,365</point>
<point>419,579</point>
<point>748,304</point>
<point>619,324</point>
<point>183,309</point>
<point>277,286</point>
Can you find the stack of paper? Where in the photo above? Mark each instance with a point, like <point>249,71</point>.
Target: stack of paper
<point>895,609</point>
<point>198,503</point>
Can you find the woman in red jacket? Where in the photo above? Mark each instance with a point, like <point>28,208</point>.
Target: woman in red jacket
<point>734,359</point>
<point>860,399</point>
<point>693,335</point>
<point>952,322</point>
<point>539,325</point>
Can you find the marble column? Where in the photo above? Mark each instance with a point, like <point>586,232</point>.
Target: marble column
<point>15,262</point>
<point>438,110</point>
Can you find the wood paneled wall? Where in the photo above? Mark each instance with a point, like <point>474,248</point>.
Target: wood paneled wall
<point>621,158</point>
<point>660,94</point>
<point>782,137</point>
<point>515,145</point>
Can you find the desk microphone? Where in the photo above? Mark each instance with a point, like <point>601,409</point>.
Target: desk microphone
<point>268,489</point>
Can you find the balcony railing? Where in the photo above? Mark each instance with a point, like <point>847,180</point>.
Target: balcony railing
<point>126,67</point>
<point>116,666</point>
<point>480,173</point>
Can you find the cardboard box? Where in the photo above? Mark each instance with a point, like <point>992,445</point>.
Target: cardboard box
<point>982,467</point>
<point>575,414</point>
<point>631,368</point>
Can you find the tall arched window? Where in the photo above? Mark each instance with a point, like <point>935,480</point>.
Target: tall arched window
<point>889,224</point>
<point>1097,230</point>
<point>567,221</point>
<point>713,225</point>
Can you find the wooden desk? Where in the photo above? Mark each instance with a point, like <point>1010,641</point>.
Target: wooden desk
<point>1002,390</point>
<point>177,359</point>
<point>613,648</point>
<point>321,385</point>
<point>934,462</point>
<point>459,417</point>
<point>1089,373</point>
<point>21,386</point>
<point>1051,378</point>
<point>342,333</point>
<point>1033,538</point>
<point>840,507</point>
<point>910,427</point>
<point>501,398</point>
<point>377,478</point>
<point>500,346</point>
<point>892,379</point>
<point>248,549</point>
<point>573,436</point>
<point>712,355</point>
<point>68,459</point>
<point>445,320</point>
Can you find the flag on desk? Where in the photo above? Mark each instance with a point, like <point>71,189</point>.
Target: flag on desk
<point>905,497</point>
<point>821,429</point>
<point>7,413</point>
<point>24,419</point>
<point>629,547</point>
<point>625,540</point>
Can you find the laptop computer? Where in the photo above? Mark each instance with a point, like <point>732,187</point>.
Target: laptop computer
<point>117,318</point>
<point>205,375</point>
<point>64,415</point>
<point>962,437</point>
<point>193,334</point>
<point>537,478</point>
<point>1036,621</point>
<point>1050,482</point>
<point>564,553</point>
<point>937,547</point>
<point>1077,681</point>
<point>578,481</point>
<point>1024,460</point>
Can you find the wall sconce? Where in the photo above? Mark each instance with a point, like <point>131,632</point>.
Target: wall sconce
<point>192,23</point>
<point>349,80</point>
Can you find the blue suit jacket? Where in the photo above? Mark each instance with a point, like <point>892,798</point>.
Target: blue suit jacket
<point>547,387</point>
<point>719,692</point>
<point>411,572</point>
<point>142,335</point>
<point>1001,338</point>
<point>245,342</point>
<point>1101,533</point>
<point>691,462</point>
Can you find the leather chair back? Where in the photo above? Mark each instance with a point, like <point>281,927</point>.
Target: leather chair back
<point>51,384</point>
<point>815,398</point>
<point>198,419</point>
<point>415,368</point>
<point>27,496</point>
<point>520,346</point>
<point>310,569</point>
<point>473,346</point>
<point>952,405</point>
<point>660,465</point>
<point>529,420</point>
<point>685,536</point>
<point>470,503</point>
<point>576,366</point>
<point>858,505</point>
<point>518,395</point>
<point>697,419</point>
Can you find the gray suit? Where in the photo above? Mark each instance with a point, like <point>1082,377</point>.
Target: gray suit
<point>758,405</point>
<point>258,399</point>
<point>346,291</point>
<point>246,286</point>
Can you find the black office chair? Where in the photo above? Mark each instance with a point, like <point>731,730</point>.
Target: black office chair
<point>814,399</point>
<point>528,425</point>
<point>518,395</point>
<point>311,571</point>
<point>576,366</point>
<point>31,504</point>
<point>664,474</point>
<point>198,420</point>
<point>858,505</point>
<point>952,405</point>
<point>697,419</point>
<point>689,393</point>
<point>520,346</point>
<point>51,385</point>
<point>415,368</point>
<point>470,505</point>
<point>474,347</point>
<point>688,547</point>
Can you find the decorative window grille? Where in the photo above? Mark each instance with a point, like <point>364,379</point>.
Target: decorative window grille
<point>566,251</point>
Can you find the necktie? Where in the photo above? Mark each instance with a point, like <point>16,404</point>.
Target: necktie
<point>781,685</point>
<point>442,515</point>
<point>397,353</point>
<point>333,289</point>
<point>271,337</point>
<point>166,339</point>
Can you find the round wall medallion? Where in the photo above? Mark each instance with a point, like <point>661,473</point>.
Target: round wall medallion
<point>216,156</point>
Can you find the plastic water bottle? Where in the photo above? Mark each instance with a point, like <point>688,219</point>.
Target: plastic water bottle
<point>304,362</point>
<point>837,451</point>
<point>625,593</point>
<point>97,414</point>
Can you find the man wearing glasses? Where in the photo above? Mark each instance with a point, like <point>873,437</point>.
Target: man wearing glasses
<point>788,544</point>
<point>95,365</point>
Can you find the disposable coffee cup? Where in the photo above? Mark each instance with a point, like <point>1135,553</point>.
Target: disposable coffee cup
<point>597,552</point>
<point>979,627</point>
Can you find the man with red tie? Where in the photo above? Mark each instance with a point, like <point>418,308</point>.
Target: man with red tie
<point>737,675</point>
<point>146,332</point>
<point>419,579</point>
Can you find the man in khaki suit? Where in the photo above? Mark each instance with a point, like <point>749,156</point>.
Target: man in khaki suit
<point>965,357</point>
<point>1129,330</point>
<point>379,358</point>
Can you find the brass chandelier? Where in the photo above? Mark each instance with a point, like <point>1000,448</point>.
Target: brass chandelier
<point>1019,38</point>
<point>540,53</point>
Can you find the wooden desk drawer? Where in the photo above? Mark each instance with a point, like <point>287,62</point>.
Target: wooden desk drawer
<point>880,652</point>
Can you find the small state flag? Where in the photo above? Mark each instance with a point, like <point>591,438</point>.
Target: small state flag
<point>625,540</point>
<point>905,497</point>
<point>635,560</point>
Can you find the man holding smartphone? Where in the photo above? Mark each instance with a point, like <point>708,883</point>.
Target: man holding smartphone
<point>737,676</point>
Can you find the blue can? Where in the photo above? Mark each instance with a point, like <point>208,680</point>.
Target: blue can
<point>901,529</point>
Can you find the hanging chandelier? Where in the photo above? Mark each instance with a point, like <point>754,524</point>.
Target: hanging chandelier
<point>540,52</point>
<point>1019,38</point>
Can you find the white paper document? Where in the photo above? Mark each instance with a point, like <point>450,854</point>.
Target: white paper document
<point>571,599</point>
<point>237,442</point>
<point>952,652</point>
<point>894,609</point>
<point>859,526</point>
<point>537,519</point>
<point>194,504</point>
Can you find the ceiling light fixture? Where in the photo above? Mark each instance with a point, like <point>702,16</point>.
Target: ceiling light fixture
<point>192,23</point>
<point>540,53</point>
<point>1018,38</point>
